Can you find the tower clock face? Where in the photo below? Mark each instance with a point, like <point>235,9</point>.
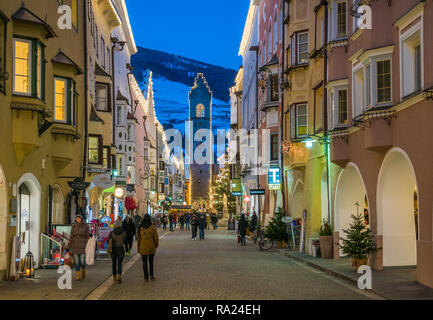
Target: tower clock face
<point>200,111</point>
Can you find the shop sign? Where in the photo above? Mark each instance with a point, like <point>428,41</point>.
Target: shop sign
<point>103,181</point>
<point>246,199</point>
<point>162,197</point>
<point>119,192</point>
<point>78,184</point>
<point>257,192</point>
<point>237,193</point>
<point>130,187</point>
<point>120,183</point>
<point>274,178</point>
<point>96,170</point>
<point>166,181</point>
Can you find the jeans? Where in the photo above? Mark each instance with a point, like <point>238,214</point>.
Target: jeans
<point>130,241</point>
<point>117,262</point>
<point>194,231</point>
<point>145,268</point>
<point>181,226</point>
<point>80,261</point>
<point>201,233</point>
<point>243,240</point>
<point>164,226</point>
<point>187,226</point>
<point>215,225</point>
<point>171,226</point>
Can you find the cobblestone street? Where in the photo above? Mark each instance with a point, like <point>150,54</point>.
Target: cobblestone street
<point>218,268</point>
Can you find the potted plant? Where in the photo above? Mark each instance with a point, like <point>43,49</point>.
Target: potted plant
<point>325,238</point>
<point>359,242</point>
<point>276,230</point>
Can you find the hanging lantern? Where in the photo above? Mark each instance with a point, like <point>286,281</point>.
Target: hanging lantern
<point>29,265</point>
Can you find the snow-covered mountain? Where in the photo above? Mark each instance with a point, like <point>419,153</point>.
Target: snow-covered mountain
<point>173,77</point>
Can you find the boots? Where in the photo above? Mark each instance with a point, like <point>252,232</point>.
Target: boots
<point>77,275</point>
<point>119,278</point>
<point>114,277</point>
<point>83,273</point>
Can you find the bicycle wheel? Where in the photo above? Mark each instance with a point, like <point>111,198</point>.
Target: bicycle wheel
<point>265,244</point>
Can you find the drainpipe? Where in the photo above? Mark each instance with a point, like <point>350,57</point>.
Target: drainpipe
<point>113,98</point>
<point>325,113</point>
<point>283,183</point>
<point>86,95</point>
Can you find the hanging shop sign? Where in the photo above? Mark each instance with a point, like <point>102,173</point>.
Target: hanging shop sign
<point>130,187</point>
<point>120,183</point>
<point>96,170</point>
<point>162,197</point>
<point>79,184</point>
<point>257,192</point>
<point>274,178</point>
<point>119,192</point>
<point>103,181</point>
<point>246,199</point>
<point>236,187</point>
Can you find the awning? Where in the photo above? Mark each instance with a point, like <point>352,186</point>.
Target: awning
<point>109,190</point>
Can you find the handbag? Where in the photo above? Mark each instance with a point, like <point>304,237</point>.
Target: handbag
<point>110,245</point>
<point>239,238</point>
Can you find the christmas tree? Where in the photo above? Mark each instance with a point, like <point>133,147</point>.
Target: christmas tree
<point>359,241</point>
<point>220,190</point>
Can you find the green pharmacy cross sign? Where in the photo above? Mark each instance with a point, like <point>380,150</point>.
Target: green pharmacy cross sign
<point>274,178</point>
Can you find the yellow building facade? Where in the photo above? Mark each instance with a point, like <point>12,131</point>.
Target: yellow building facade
<point>41,128</point>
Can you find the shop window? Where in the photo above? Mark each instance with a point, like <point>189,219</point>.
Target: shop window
<point>103,102</point>
<point>28,68</point>
<point>95,150</point>
<point>65,100</point>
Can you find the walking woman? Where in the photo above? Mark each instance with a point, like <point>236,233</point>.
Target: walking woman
<point>119,245</point>
<point>242,229</point>
<point>194,224</point>
<point>77,245</point>
<point>147,242</point>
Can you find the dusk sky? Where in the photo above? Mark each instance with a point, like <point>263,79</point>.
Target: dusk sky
<point>206,30</point>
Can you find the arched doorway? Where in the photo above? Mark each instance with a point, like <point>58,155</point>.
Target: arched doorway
<point>59,214</point>
<point>29,215</point>
<point>350,198</point>
<point>297,203</point>
<point>397,206</point>
<point>3,220</point>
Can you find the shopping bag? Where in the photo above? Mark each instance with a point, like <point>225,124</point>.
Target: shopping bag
<point>90,251</point>
<point>68,260</point>
<point>239,239</point>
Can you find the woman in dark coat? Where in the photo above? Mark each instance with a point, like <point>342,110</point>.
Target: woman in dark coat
<point>147,243</point>
<point>194,224</point>
<point>119,240</point>
<point>202,225</point>
<point>242,229</point>
<point>77,245</point>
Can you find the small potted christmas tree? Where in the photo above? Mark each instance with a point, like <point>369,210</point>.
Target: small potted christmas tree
<point>325,238</point>
<point>276,230</point>
<point>359,242</point>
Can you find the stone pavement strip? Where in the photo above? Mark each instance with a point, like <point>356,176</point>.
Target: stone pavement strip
<point>218,268</point>
<point>394,283</point>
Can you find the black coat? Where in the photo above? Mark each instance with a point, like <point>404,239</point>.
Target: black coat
<point>129,227</point>
<point>119,238</point>
<point>202,222</point>
<point>242,227</point>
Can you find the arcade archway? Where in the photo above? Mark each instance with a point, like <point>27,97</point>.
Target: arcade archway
<point>297,203</point>
<point>397,206</point>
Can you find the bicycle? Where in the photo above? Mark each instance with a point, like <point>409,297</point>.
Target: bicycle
<point>264,242</point>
